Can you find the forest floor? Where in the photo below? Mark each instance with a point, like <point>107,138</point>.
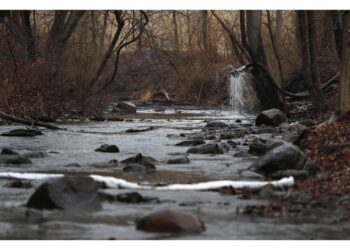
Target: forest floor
<point>328,146</point>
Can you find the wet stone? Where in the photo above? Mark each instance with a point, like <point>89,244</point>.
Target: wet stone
<point>141,159</point>
<point>216,124</point>
<point>297,174</point>
<point>286,156</point>
<point>23,133</point>
<point>179,160</point>
<point>271,117</point>
<point>18,184</point>
<point>130,197</point>
<point>190,143</point>
<point>206,149</point>
<point>78,194</point>
<point>107,148</point>
<point>7,151</point>
<point>14,159</point>
<point>170,221</point>
<point>139,168</point>
<point>73,165</point>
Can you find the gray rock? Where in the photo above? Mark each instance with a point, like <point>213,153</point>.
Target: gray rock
<point>130,197</point>
<point>73,165</point>
<point>14,159</point>
<point>271,117</point>
<point>139,168</point>
<point>141,159</point>
<point>190,143</point>
<point>206,149</point>
<point>297,174</point>
<point>7,151</point>
<point>77,194</point>
<point>125,108</point>
<point>261,146</point>
<point>286,156</point>
<point>106,148</point>
<point>179,160</point>
<point>216,124</point>
<point>23,133</point>
<point>170,221</point>
<point>251,175</point>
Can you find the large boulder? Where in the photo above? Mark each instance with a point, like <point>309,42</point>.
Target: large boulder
<point>261,146</point>
<point>170,221</point>
<point>125,108</point>
<point>271,117</point>
<point>284,157</point>
<point>206,149</point>
<point>78,194</point>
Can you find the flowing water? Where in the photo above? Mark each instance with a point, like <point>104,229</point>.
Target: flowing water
<point>236,87</point>
<point>71,151</point>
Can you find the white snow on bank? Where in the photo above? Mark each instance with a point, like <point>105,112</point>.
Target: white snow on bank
<point>112,182</point>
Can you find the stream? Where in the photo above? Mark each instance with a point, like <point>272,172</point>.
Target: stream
<point>72,151</point>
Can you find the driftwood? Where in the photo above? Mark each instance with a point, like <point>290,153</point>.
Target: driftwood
<point>28,122</point>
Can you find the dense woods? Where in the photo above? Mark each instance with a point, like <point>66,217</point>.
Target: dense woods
<point>53,61</point>
<point>174,124</point>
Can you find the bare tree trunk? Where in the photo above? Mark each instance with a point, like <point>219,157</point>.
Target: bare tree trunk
<point>62,29</point>
<point>120,21</point>
<point>28,33</point>
<point>337,31</point>
<point>242,23</point>
<point>265,87</point>
<point>93,29</point>
<point>238,49</point>
<point>189,31</point>
<point>254,36</point>
<point>308,58</point>
<point>344,90</point>
<point>103,31</point>
<point>176,33</point>
<point>205,31</point>
<point>274,43</point>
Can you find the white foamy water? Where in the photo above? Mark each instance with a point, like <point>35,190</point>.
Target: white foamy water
<point>112,182</point>
<point>236,91</point>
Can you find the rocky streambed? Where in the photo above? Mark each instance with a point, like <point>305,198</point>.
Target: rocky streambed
<point>160,147</point>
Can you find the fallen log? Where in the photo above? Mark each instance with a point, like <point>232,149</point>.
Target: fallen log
<point>28,122</point>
